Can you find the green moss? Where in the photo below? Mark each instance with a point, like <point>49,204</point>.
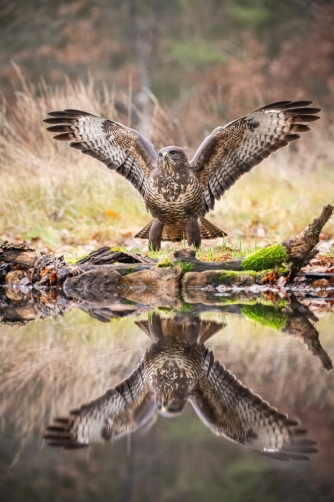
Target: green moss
<point>118,249</point>
<point>165,262</point>
<point>156,255</point>
<point>240,279</point>
<point>266,258</point>
<point>74,259</point>
<point>266,315</point>
<point>235,275</point>
<point>185,265</point>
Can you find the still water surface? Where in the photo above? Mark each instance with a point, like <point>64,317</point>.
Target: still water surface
<point>180,450</point>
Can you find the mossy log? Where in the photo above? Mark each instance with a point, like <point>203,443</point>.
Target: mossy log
<point>22,266</point>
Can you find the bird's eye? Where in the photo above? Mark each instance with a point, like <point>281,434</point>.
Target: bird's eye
<point>160,154</point>
<point>173,152</point>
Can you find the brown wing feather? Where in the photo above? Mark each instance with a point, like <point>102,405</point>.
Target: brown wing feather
<point>117,412</point>
<point>118,147</point>
<point>232,150</point>
<point>232,410</point>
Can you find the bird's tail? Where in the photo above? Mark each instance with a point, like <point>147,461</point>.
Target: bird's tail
<point>178,232</point>
<point>209,230</point>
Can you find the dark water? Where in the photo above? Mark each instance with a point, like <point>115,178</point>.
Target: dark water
<point>52,366</point>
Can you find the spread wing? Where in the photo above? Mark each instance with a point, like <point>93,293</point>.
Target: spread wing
<point>231,410</point>
<point>230,151</point>
<point>120,148</point>
<point>119,411</point>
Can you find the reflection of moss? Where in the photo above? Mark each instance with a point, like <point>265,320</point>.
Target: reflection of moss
<point>235,300</point>
<point>185,308</point>
<point>164,310</point>
<point>128,270</point>
<point>266,315</point>
<point>266,258</point>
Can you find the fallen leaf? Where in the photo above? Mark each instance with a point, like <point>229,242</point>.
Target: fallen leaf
<point>112,214</point>
<point>46,270</point>
<point>53,278</point>
<point>270,278</point>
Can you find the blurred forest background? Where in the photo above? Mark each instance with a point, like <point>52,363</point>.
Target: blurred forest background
<point>174,70</point>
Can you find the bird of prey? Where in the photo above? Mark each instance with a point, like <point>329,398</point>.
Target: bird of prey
<point>179,192</point>
<point>175,369</point>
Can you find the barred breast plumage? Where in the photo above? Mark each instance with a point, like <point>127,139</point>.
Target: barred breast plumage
<point>173,198</point>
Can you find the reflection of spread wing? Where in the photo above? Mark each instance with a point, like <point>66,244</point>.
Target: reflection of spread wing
<point>232,410</point>
<point>208,329</point>
<point>117,412</point>
<point>233,150</point>
<point>120,148</point>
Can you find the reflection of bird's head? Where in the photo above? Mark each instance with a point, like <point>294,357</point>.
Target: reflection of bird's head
<point>171,405</point>
<point>172,157</point>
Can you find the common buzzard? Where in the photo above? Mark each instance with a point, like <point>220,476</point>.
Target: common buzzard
<point>178,192</point>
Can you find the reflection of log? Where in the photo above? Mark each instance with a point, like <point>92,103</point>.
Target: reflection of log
<point>100,283</point>
<point>299,325</point>
<point>290,317</point>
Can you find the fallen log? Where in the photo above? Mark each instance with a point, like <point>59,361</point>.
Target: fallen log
<point>22,266</point>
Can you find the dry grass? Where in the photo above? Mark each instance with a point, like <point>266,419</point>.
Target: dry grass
<point>51,196</point>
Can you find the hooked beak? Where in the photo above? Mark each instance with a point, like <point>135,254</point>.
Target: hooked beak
<point>165,156</point>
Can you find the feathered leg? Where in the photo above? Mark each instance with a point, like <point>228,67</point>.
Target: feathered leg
<point>154,239</point>
<point>193,232</point>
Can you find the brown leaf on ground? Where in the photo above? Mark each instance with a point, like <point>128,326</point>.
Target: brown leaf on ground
<point>53,278</point>
<point>46,271</point>
<point>270,278</point>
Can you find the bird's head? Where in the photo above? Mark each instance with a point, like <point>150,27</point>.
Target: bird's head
<point>171,404</point>
<point>172,158</point>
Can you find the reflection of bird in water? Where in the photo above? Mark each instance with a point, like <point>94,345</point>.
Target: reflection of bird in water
<point>177,367</point>
<point>178,192</point>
